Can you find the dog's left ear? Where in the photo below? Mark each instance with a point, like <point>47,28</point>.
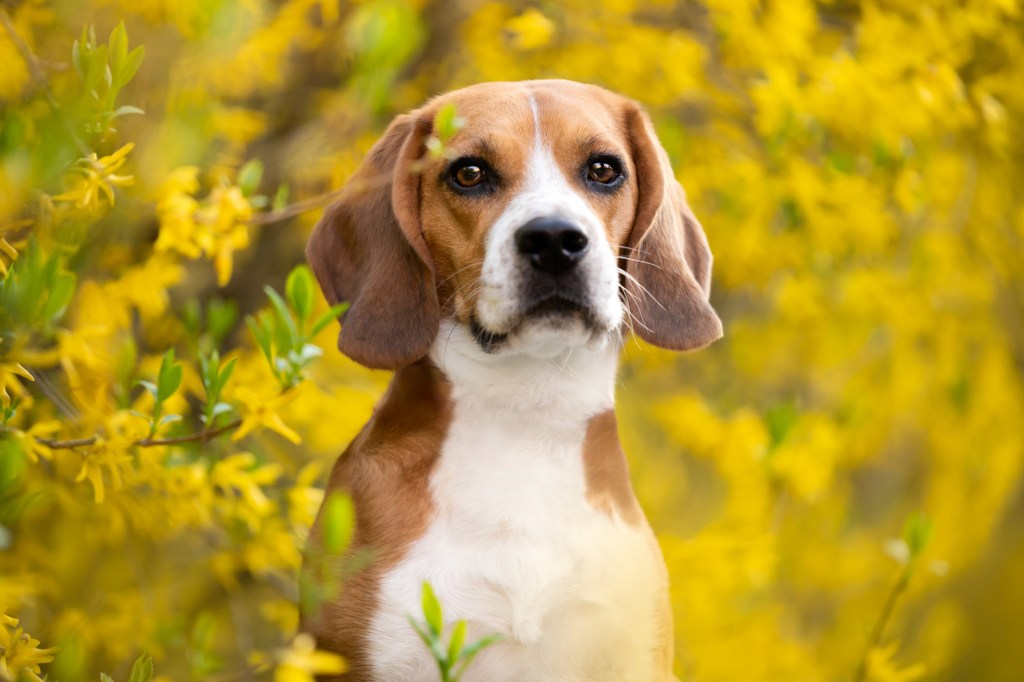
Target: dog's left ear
<point>369,250</point>
<point>666,255</point>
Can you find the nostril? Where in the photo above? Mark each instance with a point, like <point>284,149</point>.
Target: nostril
<point>532,242</point>
<point>574,242</point>
<point>552,245</point>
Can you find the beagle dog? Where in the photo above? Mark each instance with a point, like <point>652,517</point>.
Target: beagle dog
<point>498,280</point>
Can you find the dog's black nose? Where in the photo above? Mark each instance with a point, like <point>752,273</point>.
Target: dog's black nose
<point>553,245</point>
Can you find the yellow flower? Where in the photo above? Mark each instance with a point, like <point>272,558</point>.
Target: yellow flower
<point>881,667</point>
<point>224,219</point>
<point>96,179</point>
<point>531,29</point>
<point>7,249</point>
<point>302,661</point>
<point>9,373</point>
<point>112,453</point>
<point>176,208</point>
<point>32,448</point>
<point>20,654</point>
<point>260,412</point>
<point>214,228</point>
<point>304,498</point>
<point>238,477</point>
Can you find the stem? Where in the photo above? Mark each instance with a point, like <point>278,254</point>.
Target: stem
<point>35,69</point>
<point>198,437</point>
<point>297,208</point>
<point>321,200</point>
<point>878,630</point>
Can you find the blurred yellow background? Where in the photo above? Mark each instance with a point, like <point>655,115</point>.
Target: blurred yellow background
<point>836,485</point>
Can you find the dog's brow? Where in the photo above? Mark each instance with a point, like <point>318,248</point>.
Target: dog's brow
<point>480,147</point>
<point>601,141</point>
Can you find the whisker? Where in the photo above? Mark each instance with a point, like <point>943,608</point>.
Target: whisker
<point>644,289</point>
<point>637,260</point>
<point>462,269</point>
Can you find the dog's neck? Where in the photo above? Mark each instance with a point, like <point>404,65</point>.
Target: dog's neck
<point>571,383</point>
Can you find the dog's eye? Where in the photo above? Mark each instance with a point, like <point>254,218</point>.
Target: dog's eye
<point>469,176</point>
<point>602,172</point>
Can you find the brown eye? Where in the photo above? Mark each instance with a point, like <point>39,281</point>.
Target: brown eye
<point>469,176</point>
<point>602,172</point>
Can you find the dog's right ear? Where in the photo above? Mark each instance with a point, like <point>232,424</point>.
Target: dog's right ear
<point>368,250</point>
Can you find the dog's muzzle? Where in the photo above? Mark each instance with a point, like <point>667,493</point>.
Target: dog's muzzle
<point>552,245</point>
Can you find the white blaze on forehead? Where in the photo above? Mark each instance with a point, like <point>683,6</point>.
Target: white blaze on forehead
<point>544,192</point>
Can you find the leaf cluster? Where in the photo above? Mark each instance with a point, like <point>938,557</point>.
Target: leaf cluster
<point>104,70</point>
<point>285,331</point>
<point>454,657</point>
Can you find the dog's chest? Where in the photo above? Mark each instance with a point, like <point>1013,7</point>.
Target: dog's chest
<point>516,549</point>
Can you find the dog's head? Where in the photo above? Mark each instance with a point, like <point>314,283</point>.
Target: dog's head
<point>553,218</point>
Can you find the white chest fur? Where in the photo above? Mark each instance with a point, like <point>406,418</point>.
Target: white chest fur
<point>515,548</point>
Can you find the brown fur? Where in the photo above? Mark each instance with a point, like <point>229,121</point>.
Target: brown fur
<point>366,251</point>
<point>386,471</point>
<point>667,253</point>
<point>604,464</point>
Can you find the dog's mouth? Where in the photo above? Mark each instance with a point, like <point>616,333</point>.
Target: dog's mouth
<point>554,309</point>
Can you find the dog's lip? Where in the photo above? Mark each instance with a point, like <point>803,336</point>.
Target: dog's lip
<point>556,304</point>
<point>551,305</point>
<point>484,337</point>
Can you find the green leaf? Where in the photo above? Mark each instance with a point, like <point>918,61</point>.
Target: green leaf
<point>457,640</point>
<point>207,368</point>
<point>225,374</point>
<point>118,47</point>
<point>105,678</point>
<point>424,635</point>
<point>917,533</point>
<point>59,296</point>
<point>470,652</point>
<point>169,379</point>
<point>328,317</point>
<point>142,669</point>
<point>126,109</point>
<point>339,522</point>
<point>131,64</point>
<point>96,67</point>
<point>447,122</point>
<point>280,198</point>
<point>261,333</point>
<point>249,176</point>
<point>284,316</point>
<point>299,288</point>
<point>148,385</point>
<point>219,409</point>
<point>432,610</point>
<point>76,57</point>
<point>221,316</point>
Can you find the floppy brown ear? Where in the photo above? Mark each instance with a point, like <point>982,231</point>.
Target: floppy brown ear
<point>368,250</point>
<point>667,258</point>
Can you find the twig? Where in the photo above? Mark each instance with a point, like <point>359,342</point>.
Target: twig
<point>34,67</point>
<point>883,619</point>
<point>296,209</point>
<point>38,74</point>
<point>355,185</point>
<point>198,437</point>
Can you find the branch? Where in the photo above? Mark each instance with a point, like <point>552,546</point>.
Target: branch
<point>883,619</point>
<point>297,208</point>
<point>355,185</point>
<point>198,437</point>
<point>39,80</point>
<point>35,69</point>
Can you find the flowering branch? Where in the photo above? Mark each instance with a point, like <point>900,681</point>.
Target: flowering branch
<point>197,437</point>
